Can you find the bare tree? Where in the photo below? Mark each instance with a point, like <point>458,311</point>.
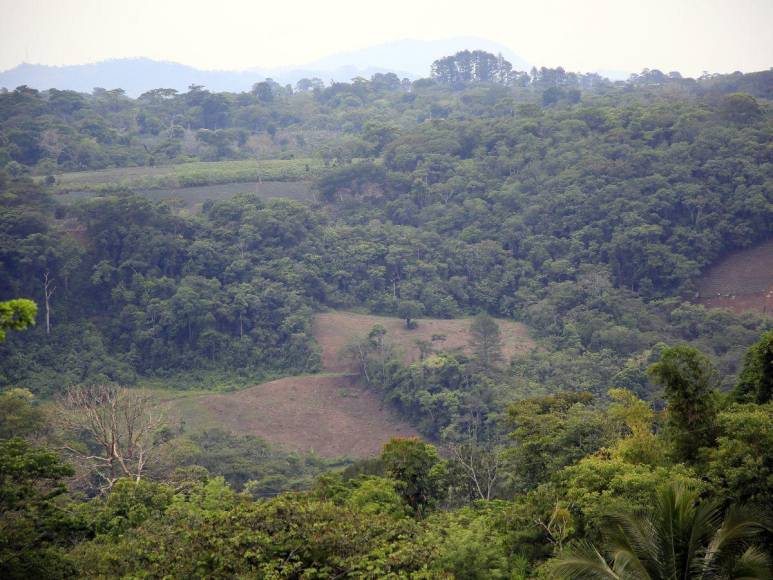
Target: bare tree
<point>374,350</point>
<point>48,292</point>
<point>478,457</point>
<point>558,527</point>
<point>122,425</point>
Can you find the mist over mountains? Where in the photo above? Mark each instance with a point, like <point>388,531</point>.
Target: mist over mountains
<point>406,58</point>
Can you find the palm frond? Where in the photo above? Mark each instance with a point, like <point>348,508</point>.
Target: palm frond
<point>741,524</point>
<point>673,516</point>
<point>582,561</point>
<point>706,521</point>
<point>753,564</point>
<point>628,565</point>
<point>632,540</point>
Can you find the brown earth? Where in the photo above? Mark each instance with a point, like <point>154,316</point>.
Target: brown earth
<point>330,415</point>
<point>334,330</point>
<point>742,281</point>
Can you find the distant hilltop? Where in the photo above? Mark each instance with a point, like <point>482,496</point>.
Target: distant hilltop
<point>406,58</point>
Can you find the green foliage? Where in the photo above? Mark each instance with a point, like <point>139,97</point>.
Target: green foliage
<point>418,470</point>
<point>486,341</point>
<point>469,546</point>
<point>215,295</point>
<point>33,527</point>
<point>582,207</point>
<point>129,504</point>
<point>598,484</point>
<point>410,310</point>
<point>16,314</point>
<point>741,464</point>
<point>290,536</point>
<point>189,175</point>
<point>246,462</point>
<point>638,443</point>
<point>551,432</point>
<point>678,538</point>
<point>20,415</point>
<point>755,383</point>
<point>688,380</point>
<point>377,495</point>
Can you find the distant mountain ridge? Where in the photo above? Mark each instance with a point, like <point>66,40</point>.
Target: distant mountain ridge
<point>406,58</point>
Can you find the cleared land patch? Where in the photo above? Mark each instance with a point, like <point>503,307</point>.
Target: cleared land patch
<point>330,415</point>
<point>334,330</point>
<point>191,199</point>
<point>742,281</point>
<point>189,174</point>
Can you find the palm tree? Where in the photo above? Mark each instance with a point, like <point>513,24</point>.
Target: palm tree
<point>679,539</point>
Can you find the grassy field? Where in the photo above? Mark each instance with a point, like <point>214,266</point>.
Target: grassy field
<point>334,330</point>
<point>327,414</point>
<point>190,199</point>
<point>188,175</point>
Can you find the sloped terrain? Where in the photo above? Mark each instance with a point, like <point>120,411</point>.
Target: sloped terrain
<point>334,330</point>
<point>742,281</point>
<point>330,415</point>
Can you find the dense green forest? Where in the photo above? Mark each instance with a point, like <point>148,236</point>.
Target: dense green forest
<point>633,442</point>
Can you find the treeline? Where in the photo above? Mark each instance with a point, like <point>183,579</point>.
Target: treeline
<point>51,131</point>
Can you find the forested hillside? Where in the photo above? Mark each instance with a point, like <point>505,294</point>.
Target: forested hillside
<point>582,208</point>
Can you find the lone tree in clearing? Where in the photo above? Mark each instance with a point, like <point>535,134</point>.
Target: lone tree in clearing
<point>486,341</point>
<point>409,310</point>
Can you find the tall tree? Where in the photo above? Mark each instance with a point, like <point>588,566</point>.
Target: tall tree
<point>689,383</point>
<point>410,310</point>
<point>418,469</point>
<point>486,341</point>
<point>755,384</point>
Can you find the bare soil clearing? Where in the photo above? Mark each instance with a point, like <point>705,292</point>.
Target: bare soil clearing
<point>330,415</point>
<point>742,281</point>
<point>334,330</point>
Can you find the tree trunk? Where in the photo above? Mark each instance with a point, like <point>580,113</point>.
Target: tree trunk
<point>48,291</point>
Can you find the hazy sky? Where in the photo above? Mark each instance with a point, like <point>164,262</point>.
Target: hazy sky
<point>685,35</point>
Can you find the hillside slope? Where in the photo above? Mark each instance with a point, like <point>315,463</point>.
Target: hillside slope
<point>742,281</point>
<point>335,329</point>
<point>330,415</point>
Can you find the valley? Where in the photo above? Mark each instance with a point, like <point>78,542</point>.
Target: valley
<point>439,328</point>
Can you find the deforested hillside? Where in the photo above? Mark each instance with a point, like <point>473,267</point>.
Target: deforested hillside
<point>328,415</point>
<point>742,281</point>
<point>336,330</point>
